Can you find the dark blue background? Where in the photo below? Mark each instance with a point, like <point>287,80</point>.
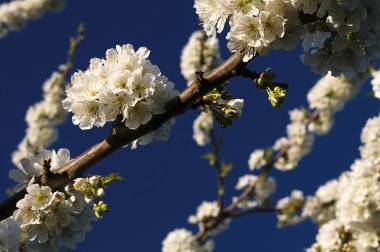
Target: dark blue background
<point>165,182</point>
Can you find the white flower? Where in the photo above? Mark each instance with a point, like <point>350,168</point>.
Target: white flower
<point>261,193</point>
<point>42,118</point>
<point>94,180</point>
<point>38,196</point>
<point>328,236</point>
<point>125,84</point>
<point>257,159</point>
<point>202,127</point>
<point>376,84</point>
<point>9,235</point>
<point>289,207</point>
<point>79,184</point>
<point>182,240</point>
<point>199,54</point>
<point>15,14</point>
<point>100,193</point>
<point>213,14</point>
<point>26,174</point>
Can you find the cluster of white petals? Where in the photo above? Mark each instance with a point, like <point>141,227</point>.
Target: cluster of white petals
<point>375,82</point>
<point>257,159</point>
<point>287,208</point>
<point>321,207</point>
<point>200,54</point>
<point>202,127</point>
<point>345,38</point>
<point>338,36</point>
<point>182,240</point>
<point>33,168</point>
<point>42,118</point>
<point>15,14</point>
<point>126,85</point>
<point>356,195</point>
<point>298,141</point>
<point>205,211</point>
<point>9,235</point>
<point>260,195</point>
<point>50,219</point>
<point>328,96</point>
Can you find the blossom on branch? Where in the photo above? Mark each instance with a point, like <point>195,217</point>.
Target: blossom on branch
<point>338,36</point>
<point>126,85</point>
<point>15,14</point>
<point>182,240</point>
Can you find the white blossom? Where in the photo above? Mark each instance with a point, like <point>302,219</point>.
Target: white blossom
<point>9,235</point>
<point>261,193</point>
<point>338,36</point>
<point>376,84</point>
<point>288,208</point>
<point>352,202</point>
<point>257,159</point>
<point>205,211</point>
<point>15,14</point>
<point>298,142</point>
<point>199,55</point>
<point>42,118</point>
<point>182,240</point>
<point>202,127</point>
<point>125,84</point>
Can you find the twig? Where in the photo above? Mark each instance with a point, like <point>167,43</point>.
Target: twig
<point>218,170</point>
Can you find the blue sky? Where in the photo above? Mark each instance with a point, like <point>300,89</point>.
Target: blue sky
<point>165,182</point>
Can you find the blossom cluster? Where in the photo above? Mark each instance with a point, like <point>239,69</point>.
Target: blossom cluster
<point>9,235</point>
<point>50,219</point>
<point>326,98</point>
<point>42,118</point>
<point>288,207</point>
<point>260,195</point>
<point>338,36</point>
<point>15,14</point>
<point>200,54</point>
<point>182,240</point>
<point>376,84</point>
<point>205,212</point>
<point>298,141</point>
<point>124,85</point>
<point>347,208</point>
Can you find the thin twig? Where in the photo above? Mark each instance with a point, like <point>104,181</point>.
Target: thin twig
<point>218,170</point>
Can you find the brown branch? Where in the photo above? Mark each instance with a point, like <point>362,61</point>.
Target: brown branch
<point>218,170</point>
<point>120,135</point>
<point>229,211</point>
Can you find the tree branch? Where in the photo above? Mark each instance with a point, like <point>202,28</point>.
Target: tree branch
<point>229,211</point>
<point>218,169</point>
<point>120,135</point>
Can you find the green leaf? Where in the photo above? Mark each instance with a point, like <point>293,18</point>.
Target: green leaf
<point>210,157</point>
<point>111,178</point>
<point>226,168</point>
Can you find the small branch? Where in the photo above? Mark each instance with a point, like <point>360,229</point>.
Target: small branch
<point>229,211</point>
<point>120,136</point>
<point>253,211</point>
<point>218,170</point>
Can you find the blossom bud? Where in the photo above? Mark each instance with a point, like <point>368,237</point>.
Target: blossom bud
<point>100,193</point>
<point>94,180</point>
